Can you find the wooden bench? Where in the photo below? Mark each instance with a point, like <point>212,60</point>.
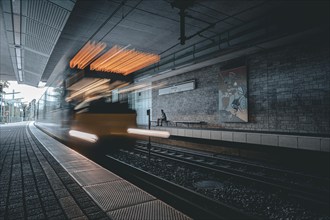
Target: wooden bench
<point>201,123</point>
<point>155,121</point>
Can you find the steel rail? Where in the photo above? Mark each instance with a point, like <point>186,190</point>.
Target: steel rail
<point>320,200</point>
<point>273,169</point>
<point>191,203</point>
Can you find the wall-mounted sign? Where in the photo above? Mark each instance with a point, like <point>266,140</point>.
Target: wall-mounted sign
<point>181,87</point>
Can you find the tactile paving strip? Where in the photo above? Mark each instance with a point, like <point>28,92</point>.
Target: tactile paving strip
<point>117,194</point>
<point>148,211</point>
<point>61,153</point>
<point>80,165</point>
<point>65,158</point>
<point>91,177</point>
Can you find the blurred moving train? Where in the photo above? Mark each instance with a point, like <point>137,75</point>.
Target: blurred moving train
<point>91,109</point>
<point>104,120</point>
<point>84,107</point>
<point>84,104</point>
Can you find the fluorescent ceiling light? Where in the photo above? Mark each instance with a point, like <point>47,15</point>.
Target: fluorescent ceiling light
<point>19,62</point>
<point>18,52</point>
<point>20,75</point>
<point>16,4</point>
<point>17,29</point>
<point>16,13</point>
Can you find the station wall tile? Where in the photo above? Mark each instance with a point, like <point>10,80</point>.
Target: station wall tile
<point>288,141</point>
<point>325,144</point>
<point>309,143</point>
<point>227,136</point>
<point>269,139</point>
<point>239,137</point>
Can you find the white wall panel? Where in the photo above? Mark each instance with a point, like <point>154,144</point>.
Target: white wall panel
<point>227,136</point>
<point>309,143</point>
<point>325,144</point>
<point>288,141</point>
<point>269,139</point>
<point>239,137</point>
<point>216,135</point>
<point>188,132</point>
<point>197,133</point>
<point>206,134</point>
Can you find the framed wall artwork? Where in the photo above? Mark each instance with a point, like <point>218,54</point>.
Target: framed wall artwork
<point>233,99</point>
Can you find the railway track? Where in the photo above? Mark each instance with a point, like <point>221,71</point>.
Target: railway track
<point>193,204</point>
<point>291,183</point>
<point>197,205</point>
<point>245,195</point>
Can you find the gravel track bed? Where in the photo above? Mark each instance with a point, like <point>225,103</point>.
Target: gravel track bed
<point>263,170</point>
<point>250,199</point>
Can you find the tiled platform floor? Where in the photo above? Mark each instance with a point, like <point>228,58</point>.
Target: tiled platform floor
<point>41,178</point>
<point>33,185</point>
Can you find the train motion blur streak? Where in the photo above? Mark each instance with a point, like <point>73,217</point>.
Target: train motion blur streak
<point>95,121</point>
<point>84,105</point>
<point>91,115</point>
<point>105,119</point>
<point>152,133</point>
<point>83,135</point>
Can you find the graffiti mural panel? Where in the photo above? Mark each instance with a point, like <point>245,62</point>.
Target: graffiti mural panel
<point>233,102</point>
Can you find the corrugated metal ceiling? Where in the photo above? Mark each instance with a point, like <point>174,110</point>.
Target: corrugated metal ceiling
<point>33,28</point>
<point>53,31</point>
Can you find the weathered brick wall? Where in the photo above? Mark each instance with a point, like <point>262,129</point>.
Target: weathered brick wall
<point>288,91</point>
<point>197,104</point>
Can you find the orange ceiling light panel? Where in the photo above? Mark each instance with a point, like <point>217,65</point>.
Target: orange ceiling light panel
<point>123,61</point>
<point>87,54</point>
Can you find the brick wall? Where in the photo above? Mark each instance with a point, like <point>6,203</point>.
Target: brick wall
<point>288,91</point>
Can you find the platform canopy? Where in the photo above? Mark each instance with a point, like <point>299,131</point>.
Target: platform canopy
<point>40,37</point>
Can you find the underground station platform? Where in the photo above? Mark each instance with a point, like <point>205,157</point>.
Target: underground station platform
<point>40,178</point>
